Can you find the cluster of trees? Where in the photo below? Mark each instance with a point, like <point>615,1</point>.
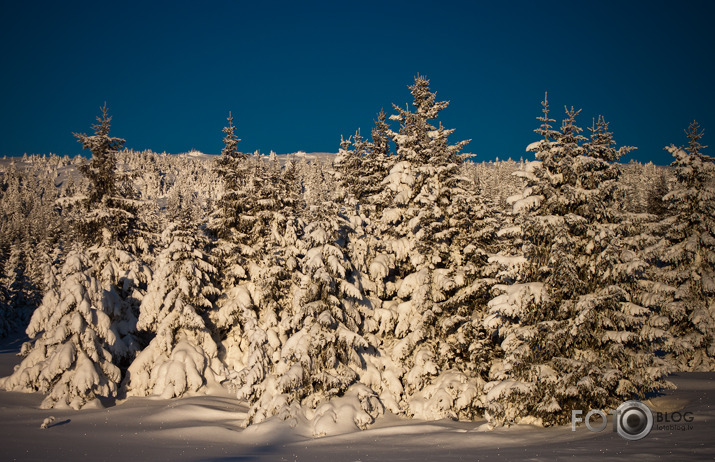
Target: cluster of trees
<point>399,278</point>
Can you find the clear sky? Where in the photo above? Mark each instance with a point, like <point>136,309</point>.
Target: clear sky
<point>296,75</point>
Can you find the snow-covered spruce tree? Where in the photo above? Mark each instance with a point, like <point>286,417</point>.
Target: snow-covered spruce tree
<point>322,356</point>
<point>233,219</point>
<point>182,356</point>
<point>421,291</point>
<point>232,167</point>
<point>356,179</point>
<point>248,310</point>
<point>249,226</point>
<point>70,354</point>
<point>623,236</point>
<point>110,227</point>
<point>685,257</point>
<point>570,335</point>
<point>109,278</point>
<point>618,245</point>
<point>360,168</point>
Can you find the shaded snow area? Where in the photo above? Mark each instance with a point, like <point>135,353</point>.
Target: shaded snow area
<point>208,428</point>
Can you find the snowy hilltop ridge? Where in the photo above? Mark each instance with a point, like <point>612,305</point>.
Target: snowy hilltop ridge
<point>393,277</point>
<point>324,157</point>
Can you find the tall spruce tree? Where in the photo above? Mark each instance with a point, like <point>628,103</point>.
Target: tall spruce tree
<point>248,312</point>
<point>686,256</point>
<point>419,287</point>
<point>113,233</point>
<point>92,335</point>
<point>571,336</point>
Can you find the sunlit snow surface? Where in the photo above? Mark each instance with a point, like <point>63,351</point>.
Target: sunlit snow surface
<point>207,428</point>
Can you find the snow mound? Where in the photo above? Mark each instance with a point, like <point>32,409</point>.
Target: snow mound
<point>355,410</point>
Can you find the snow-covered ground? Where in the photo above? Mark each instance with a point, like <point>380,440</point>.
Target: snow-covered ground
<point>207,428</point>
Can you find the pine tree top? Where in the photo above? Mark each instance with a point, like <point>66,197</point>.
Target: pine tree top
<point>419,141</point>
<point>694,133</point>
<point>230,141</point>
<point>546,129</point>
<point>101,167</point>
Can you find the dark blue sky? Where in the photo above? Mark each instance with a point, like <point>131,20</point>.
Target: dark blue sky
<point>297,75</point>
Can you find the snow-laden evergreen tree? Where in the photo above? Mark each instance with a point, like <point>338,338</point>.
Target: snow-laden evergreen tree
<point>571,336</point>
<point>360,167</point>
<point>99,289</point>
<point>110,227</point>
<point>253,229</point>
<point>322,355</point>
<point>232,223</point>
<point>182,356</point>
<point>72,342</point>
<point>248,311</point>
<point>421,292</point>
<point>686,257</point>
<point>232,168</point>
<point>117,239</point>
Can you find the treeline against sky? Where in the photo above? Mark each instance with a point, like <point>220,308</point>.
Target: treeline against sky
<point>398,277</point>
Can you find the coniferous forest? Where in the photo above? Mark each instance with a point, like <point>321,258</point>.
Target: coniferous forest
<point>404,276</point>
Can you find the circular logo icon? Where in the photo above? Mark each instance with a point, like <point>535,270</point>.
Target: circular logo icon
<point>634,420</point>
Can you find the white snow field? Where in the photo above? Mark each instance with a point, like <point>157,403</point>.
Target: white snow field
<point>207,428</point>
